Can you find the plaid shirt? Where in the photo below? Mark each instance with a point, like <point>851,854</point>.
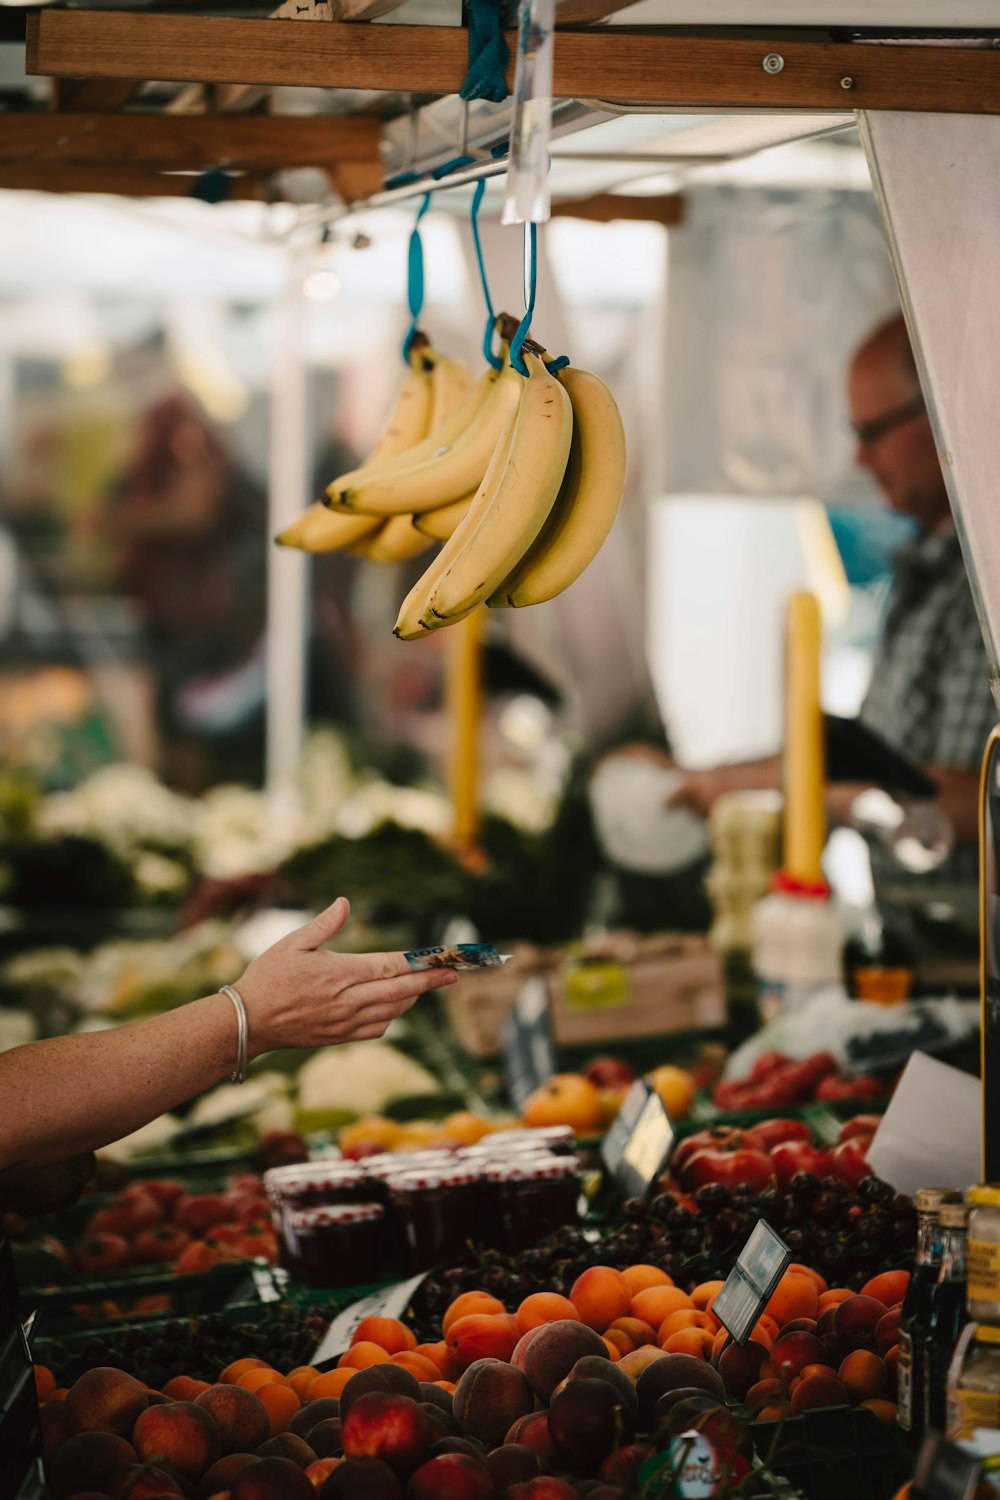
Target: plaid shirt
<point>929,694</point>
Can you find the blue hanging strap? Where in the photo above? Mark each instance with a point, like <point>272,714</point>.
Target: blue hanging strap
<point>517,342</point>
<point>490,330</point>
<point>415,277</point>
<point>488,53</point>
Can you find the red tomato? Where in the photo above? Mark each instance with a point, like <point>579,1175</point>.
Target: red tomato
<point>769,1133</point>
<point>861,1086</point>
<point>728,1167</point>
<point>201,1255</point>
<point>102,1252</point>
<point>849,1160</point>
<point>163,1190</point>
<point>766,1064</point>
<point>720,1136</point>
<point>798,1156</point>
<point>162,1243</point>
<point>861,1125</point>
<point>202,1210</point>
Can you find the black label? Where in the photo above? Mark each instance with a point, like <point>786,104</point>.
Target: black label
<point>749,1286</point>
<point>945,1471</point>
<point>639,1144</point>
<point>529,1053</point>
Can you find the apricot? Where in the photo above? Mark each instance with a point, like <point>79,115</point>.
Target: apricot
<point>694,1341</point>
<point>819,1390</point>
<point>319,1472</point>
<point>362,1356</point>
<point>763,1394</point>
<point>184,1388</point>
<point>887,1331</point>
<point>330,1384</point>
<point>470,1302</point>
<point>513,1463</point>
<point>739,1367</point>
<point>231,1374</point>
<point>311,1413</point>
<point>89,1461</point>
<point>886,1411</point>
<point>383,1424</point>
<point>705,1294</point>
<point>544,1307</point>
<point>555,1350</point>
<point>241,1418</point>
<point>183,1437</point>
<point>863,1374</point>
<point>795,1296</point>
<point>633,1364</point>
<point>600,1294</point>
<point>489,1398</point>
<point>801,1270</point>
<point>300,1379</point>
<point>388,1379</point>
<point>891,1361</point>
<point>619,1341</point>
<point>888,1287</point>
<point>856,1321</point>
<point>252,1380</point>
<point>479,1336</point>
<point>326,1439</point>
<point>270,1478</point>
<point>671,1372</point>
<point>451,1476</point>
<point>588,1419</point>
<point>389,1333</point>
<point>639,1332</point>
<point>225,1471</point>
<point>362,1479</point>
<point>833,1297</point>
<point>643,1275</point>
<point>438,1355</point>
<point>793,1351</point>
<point>45,1382</point>
<point>685,1317</point>
<point>105,1400</point>
<point>423,1369</point>
<point>657,1303</point>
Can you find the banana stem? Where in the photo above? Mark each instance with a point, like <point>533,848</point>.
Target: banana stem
<point>463,696</point>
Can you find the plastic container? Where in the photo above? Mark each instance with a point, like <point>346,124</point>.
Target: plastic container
<point>984,1253</point>
<point>526,1198</point>
<point>433,1214</point>
<point>339,1245</point>
<point>834,1453</point>
<point>798,945</point>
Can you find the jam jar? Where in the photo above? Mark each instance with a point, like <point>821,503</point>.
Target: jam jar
<point>559,1139</point>
<point>433,1213</point>
<point>338,1245</point>
<point>525,1197</point>
<point>309,1185</point>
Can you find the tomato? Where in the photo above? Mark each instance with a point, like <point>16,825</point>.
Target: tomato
<point>162,1243</point>
<point>201,1255</point>
<point>861,1125</point>
<point>766,1064</point>
<point>768,1133</point>
<point>130,1212</point>
<point>798,1156</point>
<point>202,1210</point>
<point>849,1161</point>
<point>861,1086</point>
<point>263,1245</point>
<point>102,1252</point>
<point>731,1168</point>
<point>726,1136</point>
<point>164,1191</point>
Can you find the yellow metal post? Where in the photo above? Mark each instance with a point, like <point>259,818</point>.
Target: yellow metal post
<point>463,698</point>
<point>805,762</point>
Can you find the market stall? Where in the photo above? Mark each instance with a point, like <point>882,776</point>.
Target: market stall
<point>696,1202</point>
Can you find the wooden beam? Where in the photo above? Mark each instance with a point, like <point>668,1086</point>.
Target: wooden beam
<point>585,12</point>
<point>194,142</point>
<point>124,182</point>
<point>663,208</point>
<point>90,93</point>
<point>713,72</point>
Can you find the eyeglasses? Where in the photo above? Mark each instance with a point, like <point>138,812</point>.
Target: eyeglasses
<point>869,433</point>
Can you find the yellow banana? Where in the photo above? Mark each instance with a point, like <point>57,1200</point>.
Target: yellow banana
<point>319,530</point>
<point>588,500</point>
<point>413,620</point>
<point>410,416</point>
<point>456,457</point>
<point>450,384</point>
<point>395,541</point>
<point>498,532</point>
<point>441,523</point>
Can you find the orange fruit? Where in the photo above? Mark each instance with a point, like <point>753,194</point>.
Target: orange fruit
<point>685,1317</point>
<point>638,1331</point>
<point>800,1270</point>
<point>658,1302</point>
<point>600,1294</point>
<point>614,1353</point>
<point>795,1296</point>
<point>360,1356</point>
<point>566,1099</point>
<point>252,1380</point>
<point>389,1333</point>
<point>638,1278</point>
<point>889,1287</point>
<point>45,1382</point>
<point>465,1127</point>
<point>186,1387</point>
<point>438,1354</point>
<point>544,1307</point>
<point>300,1379</point>
<point>232,1373</point>
<point>618,1339</point>
<point>330,1383</point>
<point>470,1302</point>
<point>831,1298</point>
<point>282,1404</point>
<point>705,1293</point>
<point>423,1369</point>
<point>695,1341</point>
<point>675,1087</point>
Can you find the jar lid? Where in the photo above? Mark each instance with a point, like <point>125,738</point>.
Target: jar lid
<point>986,1333</point>
<point>334,1215</point>
<point>954,1216</point>
<point>930,1200</point>
<point>311,1174</point>
<point>406,1158</point>
<point>423,1181</point>
<point>985,1193</point>
<point>531,1168</point>
<point>536,1134</point>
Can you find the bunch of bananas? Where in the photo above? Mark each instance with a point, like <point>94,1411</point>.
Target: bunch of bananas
<point>520,477</point>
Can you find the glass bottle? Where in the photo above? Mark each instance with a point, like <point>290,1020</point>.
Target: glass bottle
<point>916,1308</point>
<point>984,1253</point>
<point>974,1382</point>
<point>947,1315</point>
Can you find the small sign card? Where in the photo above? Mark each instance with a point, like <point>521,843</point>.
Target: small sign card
<point>638,1146</point>
<point>759,1267</point>
<point>945,1471</point>
<point>387,1302</point>
<point>529,1053</point>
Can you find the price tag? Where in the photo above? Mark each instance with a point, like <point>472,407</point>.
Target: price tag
<point>637,1148</point>
<point>759,1267</point>
<point>388,1302</point>
<point>945,1471</point>
<point>528,1049</point>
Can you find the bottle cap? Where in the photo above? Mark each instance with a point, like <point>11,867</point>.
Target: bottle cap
<point>954,1216</point>
<point>930,1200</point>
<point>985,1194</point>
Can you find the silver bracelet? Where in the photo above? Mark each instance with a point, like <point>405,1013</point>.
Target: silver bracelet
<point>239,1073</point>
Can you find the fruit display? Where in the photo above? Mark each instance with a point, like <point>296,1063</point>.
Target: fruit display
<point>779,1082</point>
<point>372,1134</point>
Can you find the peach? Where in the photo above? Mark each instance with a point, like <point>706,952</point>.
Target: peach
<point>800,1325</point>
<point>762,1394</point>
<point>544,1307</point>
<point>863,1375</point>
<point>639,1332</point>
<point>89,1460</point>
<point>671,1372</point>
<point>600,1294</point>
<point>105,1400</point>
<point>856,1321</point>
<point>544,1487</point>
<point>451,1476</point>
<point>522,1345</point>
<point>470,1302</point>
<point>430,1391</point>
<point>740,1367</point>
<point>633,1364</point>
<point>593,1367</point>
<point>588,1419</point>
<point>554,1352</point>
<point>225,1471</point>
<point>887,1331</point>
<point>183,1437</point>
<point>819,1390</point>
<point>639,1277</point>
<point>480,1336</point>
<point>270,1477</point>
<point>326,1439</point>
<point>489,1398</point>
<point>389,1333</point>
<point>888,1287</point>
<point>240,1416</point>
<point>55,1425</point>
<point>886,1411</point>
<point>532,1432</point>
<point>288,1445</point>
<point>793,1351</point>
<point>144,1482</point>
<point>319,1472</point>
<point>382,1424</point>
<point>362,1479</point>
<point>312,1413</point>
<point>389,1379</point>
<point>512,1464</point>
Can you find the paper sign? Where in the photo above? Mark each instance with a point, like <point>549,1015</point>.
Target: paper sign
<point>529,1052</point>
<point>759,1267</point>
<point>930,1135</point>
<point>637,1148</point>
<point>945,1471</point>
<point>388,1302</point>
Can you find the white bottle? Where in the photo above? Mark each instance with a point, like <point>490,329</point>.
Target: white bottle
<point>798,944</point>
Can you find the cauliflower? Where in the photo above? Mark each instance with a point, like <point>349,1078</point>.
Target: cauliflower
<point>360,1077</point>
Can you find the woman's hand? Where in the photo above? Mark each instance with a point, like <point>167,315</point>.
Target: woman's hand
<point>299,995</point>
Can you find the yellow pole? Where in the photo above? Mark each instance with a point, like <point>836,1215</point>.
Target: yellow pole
<point>463,695</point>
<point>805,761</point>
